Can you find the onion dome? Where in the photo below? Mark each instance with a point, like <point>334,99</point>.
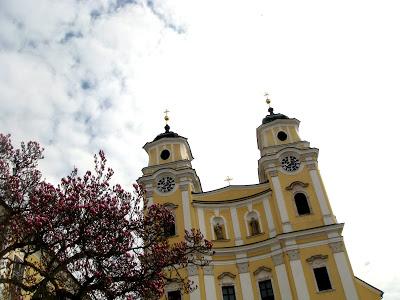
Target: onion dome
<point>166,134</point>
<point>273,116</point>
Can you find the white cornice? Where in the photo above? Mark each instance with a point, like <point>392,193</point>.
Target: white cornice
<point>282,238</point>
<point>212,204</point>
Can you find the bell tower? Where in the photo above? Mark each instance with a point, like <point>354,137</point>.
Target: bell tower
<point>169,178</point>
<point>291,167</point>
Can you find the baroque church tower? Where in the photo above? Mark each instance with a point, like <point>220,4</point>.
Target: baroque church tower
<point>274,240</point>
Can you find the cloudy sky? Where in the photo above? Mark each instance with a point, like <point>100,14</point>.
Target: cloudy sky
<point>79,76</point>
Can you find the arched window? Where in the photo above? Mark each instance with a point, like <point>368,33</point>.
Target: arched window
<point>170,230</point>
<point>219,228</point>
<point>302,204</point>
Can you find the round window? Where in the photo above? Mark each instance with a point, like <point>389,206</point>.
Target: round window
<point>282,136</point>
<point>165,154</point>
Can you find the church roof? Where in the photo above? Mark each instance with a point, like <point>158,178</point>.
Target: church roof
<point>167,134</point>
<point>273,116</point>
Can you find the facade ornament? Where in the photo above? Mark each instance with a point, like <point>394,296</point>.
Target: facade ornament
<point>226,274</point>
<point>254,226</point>
<point>192,270</point>
<point>208,270</point>
<point>277,259</point>
<point>262,269</point>
<point>318,257</point>
<point>273,173</point>
<point>184,186</point>
<point>149,193</point>
<point>311,166</point>
<point>337,247</point>
<point>296,183</point>
<point>243,267</point>
<point>219,232</point>
<point>293,254</point>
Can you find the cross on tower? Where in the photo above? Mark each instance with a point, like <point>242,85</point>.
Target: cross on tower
<point>267,100</point>
<point>166,118</point>
<point>228,179</point>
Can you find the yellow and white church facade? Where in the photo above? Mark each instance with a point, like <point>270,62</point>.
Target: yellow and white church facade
<point>274,240</point>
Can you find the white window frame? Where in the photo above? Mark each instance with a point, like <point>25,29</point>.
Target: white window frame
<point>319,261</point>
<point>261,274</point>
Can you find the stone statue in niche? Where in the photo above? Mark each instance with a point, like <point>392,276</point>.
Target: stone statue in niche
<point>254,226</point>
<point>219,232</point>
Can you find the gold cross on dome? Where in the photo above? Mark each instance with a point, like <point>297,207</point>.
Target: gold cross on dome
<point>268,101</point>
<point>228,179</point>
<point>166,118</point>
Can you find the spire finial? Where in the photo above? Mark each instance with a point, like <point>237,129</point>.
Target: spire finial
<point>166,118</point>
<point>268,101</point>
<point>228,179</point>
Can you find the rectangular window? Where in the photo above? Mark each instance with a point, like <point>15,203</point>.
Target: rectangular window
<point>228,293</point>
<point>266,291</point>
<point>174,295</point>
<point>322,278</point>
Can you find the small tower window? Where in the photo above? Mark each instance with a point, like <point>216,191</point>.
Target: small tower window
<point>282,136</point>
<point>170,229</point>
<point>302,204</point>
<point>165,154</point>
<point>322,278</point>
<point>174,295</point>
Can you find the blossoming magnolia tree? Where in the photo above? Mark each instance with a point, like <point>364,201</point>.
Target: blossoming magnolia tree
<point>84,239</point>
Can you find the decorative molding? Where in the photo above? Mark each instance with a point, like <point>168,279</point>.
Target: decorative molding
<point>311,166</point>
<point>277,259</point>
<point>184,186</point>
<point>273,173</point>
<point>170,205</point>
<point>296,183</point>
<point>293,254</point>
<point>149,193</point>
<point>337,247</point>
<point>243,267</point>
<point>226,274</point>
<point>192,270</point>
<point>262,269</point>
<point>208,270</point>
<point>317,257</point>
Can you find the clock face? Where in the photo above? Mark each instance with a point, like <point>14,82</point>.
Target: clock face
<point>290,163</point>
<point>165,184</point>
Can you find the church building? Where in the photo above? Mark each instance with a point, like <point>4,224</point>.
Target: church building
<point>277,239</point>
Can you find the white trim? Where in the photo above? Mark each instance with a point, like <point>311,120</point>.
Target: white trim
<point>195,295</point>
<point>283,282</point>
<point>202,224</point>
<point>209,284</point>
<point>149,201</point>
<point>187,220</point>
<point>346,276</point>
<point>268,215</point>
<point>321,197</point>
<point>299,279</point>
<point>245,283</point>
<point>281,204</point>
<point>236,228</point>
